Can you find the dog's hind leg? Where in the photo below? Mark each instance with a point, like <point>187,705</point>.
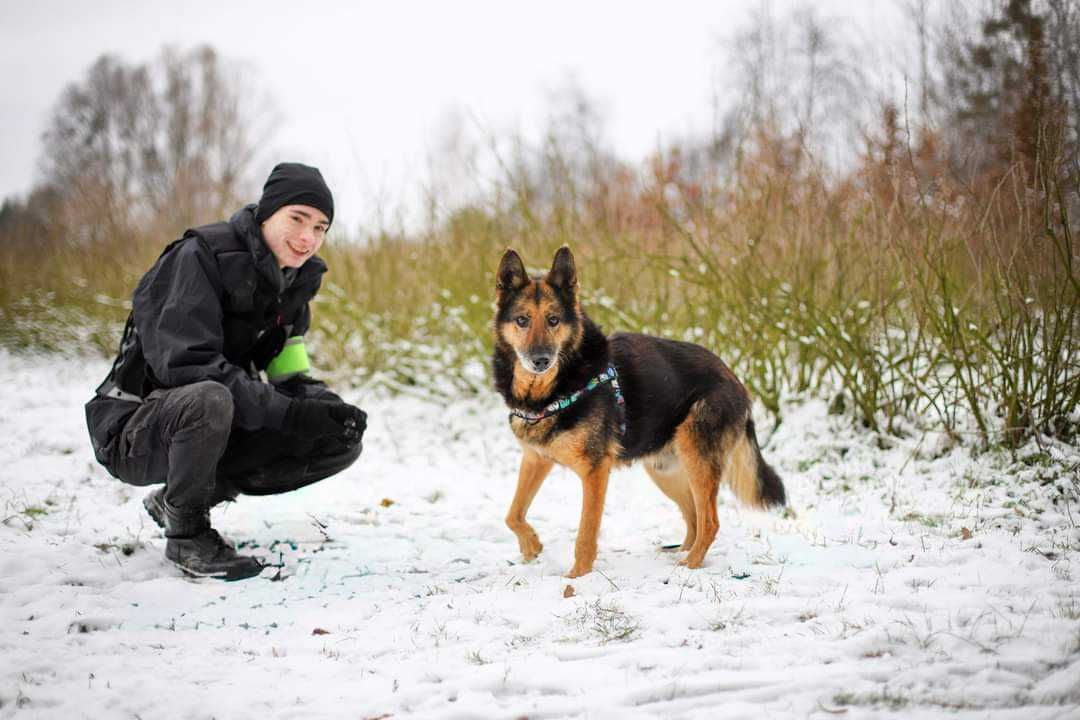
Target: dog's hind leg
<point>668,474</point>
<point>534,469</point>
<point>704,481</point>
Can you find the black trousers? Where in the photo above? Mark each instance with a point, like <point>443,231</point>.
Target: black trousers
<point>183,437</point>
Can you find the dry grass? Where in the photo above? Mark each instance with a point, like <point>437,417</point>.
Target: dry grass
<point>908,301</point>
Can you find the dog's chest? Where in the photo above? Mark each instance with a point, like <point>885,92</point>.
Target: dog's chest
<point>534,434</point>
<point>579,448</point>
<point>562,447</point>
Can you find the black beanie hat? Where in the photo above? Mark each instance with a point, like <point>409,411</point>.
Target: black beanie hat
<point>294,184</point>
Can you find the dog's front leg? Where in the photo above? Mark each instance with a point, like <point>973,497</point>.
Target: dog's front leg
<point>594,481</point>
<point>534,469</point>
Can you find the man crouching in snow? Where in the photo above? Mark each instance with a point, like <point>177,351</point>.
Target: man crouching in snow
<point>184,403</point>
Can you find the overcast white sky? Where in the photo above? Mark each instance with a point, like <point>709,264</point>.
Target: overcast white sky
<point>362,87</point>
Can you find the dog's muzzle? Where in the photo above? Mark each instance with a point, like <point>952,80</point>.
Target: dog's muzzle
<point>537,363</point>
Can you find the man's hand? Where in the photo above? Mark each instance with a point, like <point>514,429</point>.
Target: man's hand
<point>353,418</point>
<point>322,418</point>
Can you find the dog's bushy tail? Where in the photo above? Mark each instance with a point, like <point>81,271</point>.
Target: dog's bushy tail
<point>753,480</point>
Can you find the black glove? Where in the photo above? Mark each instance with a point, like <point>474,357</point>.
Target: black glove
<point>353,418</point>
<point>304,387</point>
<point>321,418</point>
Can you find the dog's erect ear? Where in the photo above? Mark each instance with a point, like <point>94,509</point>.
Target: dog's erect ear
<point>563,274</point>
<point>511,274</point>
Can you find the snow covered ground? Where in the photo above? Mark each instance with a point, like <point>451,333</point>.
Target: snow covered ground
<point>908,582</point>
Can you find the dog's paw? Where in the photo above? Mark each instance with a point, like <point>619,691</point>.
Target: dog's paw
<point>531,554</point>
<point>691,562</point>
<point>530,547</point>
<point>577,571</point>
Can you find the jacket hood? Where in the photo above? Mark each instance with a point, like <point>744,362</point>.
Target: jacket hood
<point>247,228</point>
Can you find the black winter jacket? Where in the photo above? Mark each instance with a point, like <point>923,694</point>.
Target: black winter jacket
<point>213,307</point>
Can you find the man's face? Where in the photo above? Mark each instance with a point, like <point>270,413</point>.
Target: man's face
<point>295,233</point>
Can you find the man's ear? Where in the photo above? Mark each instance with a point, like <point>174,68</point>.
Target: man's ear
<point>511,274</point>
<point>563,273</point>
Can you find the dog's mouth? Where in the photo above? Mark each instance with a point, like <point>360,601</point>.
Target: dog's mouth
<point>538,364</point>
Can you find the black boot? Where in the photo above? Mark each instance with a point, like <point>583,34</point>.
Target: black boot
<point>155,501</point>
<point>196,548</point>
<point>155,506</point>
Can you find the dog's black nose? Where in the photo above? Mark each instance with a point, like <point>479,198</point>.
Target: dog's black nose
<point>541,362</point>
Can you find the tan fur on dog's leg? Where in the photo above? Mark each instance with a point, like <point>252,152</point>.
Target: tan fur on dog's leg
<point>704,486</point>
<point>673,482</point>
<point>594,488</point>
<point>534,469</point>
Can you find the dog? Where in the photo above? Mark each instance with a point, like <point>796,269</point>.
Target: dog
<point>591,402</point>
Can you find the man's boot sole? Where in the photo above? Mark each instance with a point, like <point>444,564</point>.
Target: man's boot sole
<point>222,575</point>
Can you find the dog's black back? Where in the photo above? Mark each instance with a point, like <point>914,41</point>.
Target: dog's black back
<point>661,380</point>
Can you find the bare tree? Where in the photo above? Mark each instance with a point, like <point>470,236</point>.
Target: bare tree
<point>168,142</point>
<point>1010,80</point>
<point>796,77</point>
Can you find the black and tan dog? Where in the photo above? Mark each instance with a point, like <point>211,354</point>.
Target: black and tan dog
<point>590,402</point>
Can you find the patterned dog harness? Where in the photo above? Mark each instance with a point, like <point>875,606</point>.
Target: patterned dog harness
<point>608,376</point>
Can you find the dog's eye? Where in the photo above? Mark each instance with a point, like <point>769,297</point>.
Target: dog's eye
<point>553,321</point>
<point>522,321</point>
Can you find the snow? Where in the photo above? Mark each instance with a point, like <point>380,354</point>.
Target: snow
<point>910,581</point>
